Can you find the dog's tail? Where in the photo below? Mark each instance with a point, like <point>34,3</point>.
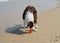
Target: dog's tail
<point>30,24</point>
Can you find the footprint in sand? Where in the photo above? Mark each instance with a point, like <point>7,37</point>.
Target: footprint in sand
<point>55,38</point>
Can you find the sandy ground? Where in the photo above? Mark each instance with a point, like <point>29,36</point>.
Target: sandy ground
<point>48,30</point>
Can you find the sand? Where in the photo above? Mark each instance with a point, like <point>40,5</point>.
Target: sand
<point>48,30</point>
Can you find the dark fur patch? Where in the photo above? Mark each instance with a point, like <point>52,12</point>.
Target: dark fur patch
<point>30,24</point>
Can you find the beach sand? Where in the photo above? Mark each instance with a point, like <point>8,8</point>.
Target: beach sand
<point>48,30</point>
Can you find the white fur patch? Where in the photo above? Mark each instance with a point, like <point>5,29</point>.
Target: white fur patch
<point>29,17</point>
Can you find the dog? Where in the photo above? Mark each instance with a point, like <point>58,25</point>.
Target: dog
<point>30,17</point>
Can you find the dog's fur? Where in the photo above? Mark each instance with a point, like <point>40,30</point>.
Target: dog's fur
<point>32,10</point>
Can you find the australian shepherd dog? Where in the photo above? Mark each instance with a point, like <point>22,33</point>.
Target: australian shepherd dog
<point>30,18</point>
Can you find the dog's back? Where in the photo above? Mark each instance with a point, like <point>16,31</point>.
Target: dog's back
<point>29,17</point>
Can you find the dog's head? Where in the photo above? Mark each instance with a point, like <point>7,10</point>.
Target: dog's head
<point>30,24</point>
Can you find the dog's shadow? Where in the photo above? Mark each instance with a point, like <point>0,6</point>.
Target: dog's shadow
<point>16,29</point>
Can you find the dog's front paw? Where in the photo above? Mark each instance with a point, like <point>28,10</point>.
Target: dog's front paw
<point>27,29</point>
<point>34,29</point>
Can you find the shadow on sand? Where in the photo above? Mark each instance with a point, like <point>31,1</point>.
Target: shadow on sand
<point>16,29</point>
